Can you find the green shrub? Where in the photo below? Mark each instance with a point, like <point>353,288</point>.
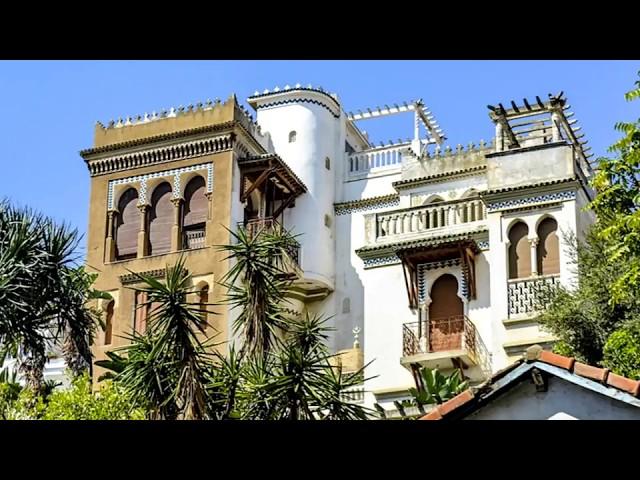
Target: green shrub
<point>622,351</point>
<point>80,403</point>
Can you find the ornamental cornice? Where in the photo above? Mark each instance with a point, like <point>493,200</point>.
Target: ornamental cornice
<point>163,154</point>
<point>132,277</point>
<point>438,177</point>
<point>368,252</point>
<point>345,208</point>
<point>158,138</point>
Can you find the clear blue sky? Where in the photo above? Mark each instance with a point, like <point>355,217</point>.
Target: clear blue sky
<point>48,108</point>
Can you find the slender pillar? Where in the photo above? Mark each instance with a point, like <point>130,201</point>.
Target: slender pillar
<point>143,234</point>
<point>499,139</point>
<point>533,242</point>
<point>176,228</point>
<point>110,244</point>
<point>555,131</point>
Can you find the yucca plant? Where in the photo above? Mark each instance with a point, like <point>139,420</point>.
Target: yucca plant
<point>437,388</point>
<point>256,285</point>
<point>168,367</point>
<point>43,293</point>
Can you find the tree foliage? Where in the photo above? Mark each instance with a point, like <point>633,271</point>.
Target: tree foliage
<point>581,316</point>
<point>622,351</point>
<point>282,371</point>
<point>43,293</point>
<point>597,320</point>
<point>618,196</point>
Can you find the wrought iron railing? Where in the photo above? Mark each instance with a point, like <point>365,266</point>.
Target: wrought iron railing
<point>441,334</point>
<point>530,295</point>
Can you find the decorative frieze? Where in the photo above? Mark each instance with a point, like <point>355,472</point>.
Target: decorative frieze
<point>424,267</point>
<point>142,181</point>
<point>381,261</point>
<point>372,203</point>
<point>134,277</point>
<point>195,148</point>
<point>518,202</point>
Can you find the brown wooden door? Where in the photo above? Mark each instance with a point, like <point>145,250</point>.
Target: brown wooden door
<point>446,320</point>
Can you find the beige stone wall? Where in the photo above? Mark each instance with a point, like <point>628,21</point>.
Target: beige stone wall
<point>206,263</point>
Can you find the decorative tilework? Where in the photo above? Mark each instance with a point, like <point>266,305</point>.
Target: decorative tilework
<point>142,179</point>
<point>483,244</point>
<point>367,204</point>
<point>423,267</point>
<point>381,261</point>
<point>506,204</point>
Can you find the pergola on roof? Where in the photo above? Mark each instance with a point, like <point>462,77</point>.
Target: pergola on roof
<point>549,121</point>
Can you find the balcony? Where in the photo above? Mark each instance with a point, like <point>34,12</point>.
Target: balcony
<point>527,296</point>
<point>194,238</point>
<point>414,222</point>
<point>445,343</point>
<point>257,226</point>
<point>387,159</point>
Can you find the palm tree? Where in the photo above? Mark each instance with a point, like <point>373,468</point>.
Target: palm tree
<point>168,367</point>
<point>43,294</point>
<point>257,284</point>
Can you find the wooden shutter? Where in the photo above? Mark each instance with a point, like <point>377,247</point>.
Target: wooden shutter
<point>161,220</point>
<point>128,225</point>
<point>142,311</point>
<point>195,210</point>
<point>519,251</point>
<point>548,247</point>
<point>108,327</point>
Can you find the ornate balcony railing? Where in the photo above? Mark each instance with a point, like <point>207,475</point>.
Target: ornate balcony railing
<point>353,395</point>
<point>381,158</point>
<point>194,238</point>
<point>445,334</point>
<point>528,295</point>
<point>419,219</point>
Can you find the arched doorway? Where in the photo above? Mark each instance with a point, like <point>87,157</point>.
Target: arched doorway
<point>446,315</point>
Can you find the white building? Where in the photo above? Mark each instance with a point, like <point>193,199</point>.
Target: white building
<point>432,252</point>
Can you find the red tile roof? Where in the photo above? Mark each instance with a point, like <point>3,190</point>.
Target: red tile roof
<point>533,354</point>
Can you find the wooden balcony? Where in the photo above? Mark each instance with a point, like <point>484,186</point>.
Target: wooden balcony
<point>445,344</point>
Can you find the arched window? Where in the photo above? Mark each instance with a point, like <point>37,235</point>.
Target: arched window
<point>433,199</point>
<point>446,310</point>
<point>160,220</point>
<point>519,251</point>
<point>195,213</point>
<point>127,225</point>
<point>141,312</point>
<point>292,136</point>
<point>108,323</point>
<point>203,300</point>
<point>327,163</point>
<point>548,248</point>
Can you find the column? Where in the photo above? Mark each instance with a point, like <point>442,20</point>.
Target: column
<point>555,131</point>
<point>533,242</point>
<point>143,234</point>
<point>176,228</point>
<point>110,244</point>
<point>499,142</point>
